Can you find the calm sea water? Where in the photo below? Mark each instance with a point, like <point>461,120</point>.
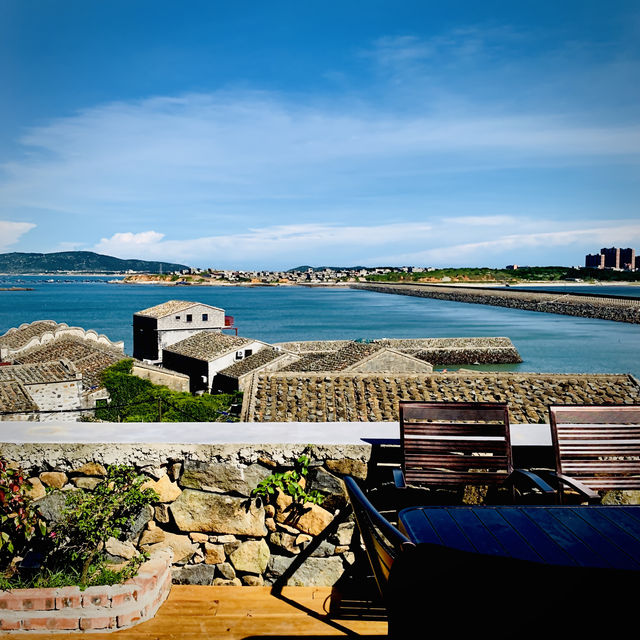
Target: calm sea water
<point>546,342</point>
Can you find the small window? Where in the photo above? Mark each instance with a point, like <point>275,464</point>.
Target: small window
<point>205,317</point>
<point>177,317</point>
<point>189,317</point>
<point>239,355</point>
<point>248,352</point>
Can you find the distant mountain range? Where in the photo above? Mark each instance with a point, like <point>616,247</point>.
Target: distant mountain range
<point>80,261</point>
<point>306,266</point>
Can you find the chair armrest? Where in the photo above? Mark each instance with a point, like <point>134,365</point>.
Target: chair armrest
<point>398,479</point>
<point>532,479</point>
<point>592,496</point>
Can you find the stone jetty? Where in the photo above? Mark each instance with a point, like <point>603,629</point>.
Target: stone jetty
<point>618,309</point>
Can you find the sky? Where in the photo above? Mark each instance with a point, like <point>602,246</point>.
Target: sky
<point>267,135</point>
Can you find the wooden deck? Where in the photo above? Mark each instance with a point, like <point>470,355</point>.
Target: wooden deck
<point>244,613</point>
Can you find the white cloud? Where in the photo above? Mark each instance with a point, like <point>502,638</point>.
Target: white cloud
<point>279,245</point>
<point>618,233</point>
<point>204,154</point>
<point>10,232</point>
<point>482,221</point>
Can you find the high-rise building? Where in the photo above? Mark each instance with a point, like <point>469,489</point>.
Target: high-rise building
<point>611,257</point>
<point>594,261</point>
<point>628,259</point>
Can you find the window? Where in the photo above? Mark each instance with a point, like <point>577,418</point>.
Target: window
<point>205,317</point>
<point>177,317</point>
<point>239,355</point>
<point>248,352</point>
<point>189,317</point>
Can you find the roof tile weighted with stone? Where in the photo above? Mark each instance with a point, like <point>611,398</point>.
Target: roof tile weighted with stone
<point>208,346</point>
<point>170,307</point>
<point>284,397</point>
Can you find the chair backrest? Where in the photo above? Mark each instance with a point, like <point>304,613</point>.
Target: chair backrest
<point>382,540</point>
<point>455,443</point>
<point>598,445</point>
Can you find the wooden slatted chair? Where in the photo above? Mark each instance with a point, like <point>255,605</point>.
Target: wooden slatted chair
<point>384,544</point>
<point>597,448</point>
<point>455,444</point>
<point>382,541</point>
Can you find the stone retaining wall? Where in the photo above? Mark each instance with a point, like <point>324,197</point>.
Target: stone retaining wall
<point>216,532</point>
<point>562,303</point>
<point>105,608</point>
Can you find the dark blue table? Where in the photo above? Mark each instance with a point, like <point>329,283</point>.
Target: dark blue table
<point>517,572</point>
<point>606,537</point>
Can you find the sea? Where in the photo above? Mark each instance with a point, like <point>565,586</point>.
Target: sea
<point>547,343</point>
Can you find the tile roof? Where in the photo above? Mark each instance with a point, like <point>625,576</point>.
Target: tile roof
<point>445,351</point>
<point>89,358</point>
<point>19,336</point>
<point>14,397</point>
<point>253,362</point>
<point>282,397</point>
<point>207,345</point>
<point>39,372</point>
<point>169,307</point>
<point>337,360</point>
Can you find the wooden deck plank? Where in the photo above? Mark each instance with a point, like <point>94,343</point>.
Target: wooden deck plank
<point>240,613</point>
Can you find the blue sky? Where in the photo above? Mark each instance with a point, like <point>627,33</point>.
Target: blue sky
<point>268,135</point>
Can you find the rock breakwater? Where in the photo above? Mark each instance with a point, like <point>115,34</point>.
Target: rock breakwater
<point>602,307</point>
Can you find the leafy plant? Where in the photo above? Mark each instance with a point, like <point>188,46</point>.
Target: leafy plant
<point>136,400</point>
<point>90,518</point>
<point>289,483</point>
<point>20,521</point>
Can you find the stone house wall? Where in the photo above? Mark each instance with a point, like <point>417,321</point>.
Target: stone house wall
<point>217,533</point>
<point>172,379</point>
<point>56,396</point>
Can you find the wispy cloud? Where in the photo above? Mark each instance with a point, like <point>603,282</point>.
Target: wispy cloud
<point>199,153</point>
<point>11,232</point>
<point>287,243</point>
<point>515,245</point>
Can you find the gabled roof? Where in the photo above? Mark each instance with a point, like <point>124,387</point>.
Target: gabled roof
<point>88,357</point>
<point>207,345</point>
<point>40,372</point>
<point>338,360</point>
<point>170,307</point>
<point>14,397</point>
<point>253,362</point>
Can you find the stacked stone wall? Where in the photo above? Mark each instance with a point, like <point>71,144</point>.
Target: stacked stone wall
<point>218,534</point>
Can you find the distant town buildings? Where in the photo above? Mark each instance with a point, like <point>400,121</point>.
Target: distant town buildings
<point>613,258</point>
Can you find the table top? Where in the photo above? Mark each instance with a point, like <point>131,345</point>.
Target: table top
<point>587,536</point>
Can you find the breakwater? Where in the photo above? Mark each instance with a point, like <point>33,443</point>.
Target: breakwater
<point>618,309</point>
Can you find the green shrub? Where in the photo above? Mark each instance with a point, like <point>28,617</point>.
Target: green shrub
<point>90,518</point>
<point>133,399</point>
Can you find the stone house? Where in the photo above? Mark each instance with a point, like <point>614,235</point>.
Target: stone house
<point>359,357</point>
<point>52,386</point>
<point>238,376</point>
<point>168,323</point>
<point>204,354</point>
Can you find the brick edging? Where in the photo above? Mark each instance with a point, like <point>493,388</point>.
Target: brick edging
<point>103,608</point>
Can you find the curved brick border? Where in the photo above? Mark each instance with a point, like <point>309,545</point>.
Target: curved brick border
<point>105,608</point>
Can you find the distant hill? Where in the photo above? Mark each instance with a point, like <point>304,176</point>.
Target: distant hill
<point>306,266</point>
<point>81,261</point>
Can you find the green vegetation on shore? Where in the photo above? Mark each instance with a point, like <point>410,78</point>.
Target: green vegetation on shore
<point>133,399</point>
<point>511,276</point>
<point>80,261</point>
